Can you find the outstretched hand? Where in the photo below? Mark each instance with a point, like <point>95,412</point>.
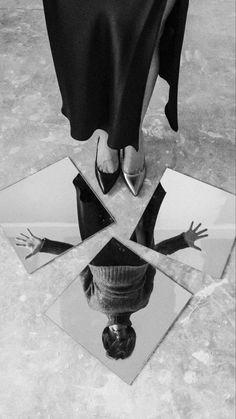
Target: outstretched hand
<point>31,242</point>
<point>194,234</point>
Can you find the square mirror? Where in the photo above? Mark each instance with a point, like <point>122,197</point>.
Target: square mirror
<point>119,308</point>
<point>50,212</point>
<point>190,221</point>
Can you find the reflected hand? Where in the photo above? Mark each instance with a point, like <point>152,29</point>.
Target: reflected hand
<point>194,234</point>
<point>31,242</point>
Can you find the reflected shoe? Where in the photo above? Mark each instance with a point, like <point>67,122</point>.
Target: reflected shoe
<point>106,180</point>
<point>134,181</point>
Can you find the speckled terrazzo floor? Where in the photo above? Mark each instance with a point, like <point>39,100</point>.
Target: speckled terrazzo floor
<point>44,373</point>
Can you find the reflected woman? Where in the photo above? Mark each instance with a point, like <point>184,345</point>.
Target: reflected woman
<point>118,282</point>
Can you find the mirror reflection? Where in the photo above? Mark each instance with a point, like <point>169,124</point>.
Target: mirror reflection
<point>49,213</point>
<point>190,221</point>
<point>119,308</point>
<point>118,283</point>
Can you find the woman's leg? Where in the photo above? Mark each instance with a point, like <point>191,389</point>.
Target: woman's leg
<point>107,158</point>
<point>134,160</point>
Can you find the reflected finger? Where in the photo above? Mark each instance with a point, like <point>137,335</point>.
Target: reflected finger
<point>30,232</point>
<point>20,244</point>
<point>202,231</point>
<point>24,235</point>
<point>195,229</point>
<point>20,238</point>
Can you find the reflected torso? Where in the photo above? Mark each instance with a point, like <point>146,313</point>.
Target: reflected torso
<point>117,280</point>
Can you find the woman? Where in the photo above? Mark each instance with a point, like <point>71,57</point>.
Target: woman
<point>107,55</point>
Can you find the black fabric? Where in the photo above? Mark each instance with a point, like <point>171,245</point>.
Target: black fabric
<point>54,247</point>
<point>102,51</point>
<point>147,224</point>
<point>172,245</point>
<point>92,217</point>
<point>115,253</point>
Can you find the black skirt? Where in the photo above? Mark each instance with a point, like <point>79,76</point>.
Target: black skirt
<point>102,51</point>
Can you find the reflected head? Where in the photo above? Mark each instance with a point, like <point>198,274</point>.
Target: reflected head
<point>119,342</point>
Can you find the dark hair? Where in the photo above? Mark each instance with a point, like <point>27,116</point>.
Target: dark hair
<point>117,347</point>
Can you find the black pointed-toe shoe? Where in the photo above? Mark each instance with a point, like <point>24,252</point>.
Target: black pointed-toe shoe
<point>106,180</point>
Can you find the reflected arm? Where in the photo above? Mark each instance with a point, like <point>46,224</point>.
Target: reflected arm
<point>183,240</point>
<point>36,244</point>
<point>54,247</point>
<point>172,245</point>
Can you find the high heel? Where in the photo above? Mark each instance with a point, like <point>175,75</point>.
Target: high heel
<point>105,180</point>
<point>134,181</point>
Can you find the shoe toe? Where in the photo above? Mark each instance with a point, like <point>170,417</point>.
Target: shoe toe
<point>135,182</point>
<point>106,180</point>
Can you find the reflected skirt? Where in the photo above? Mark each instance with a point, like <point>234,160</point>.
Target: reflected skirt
<point>102,51</point>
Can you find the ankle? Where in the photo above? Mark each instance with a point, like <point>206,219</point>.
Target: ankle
<point>107,158</point>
